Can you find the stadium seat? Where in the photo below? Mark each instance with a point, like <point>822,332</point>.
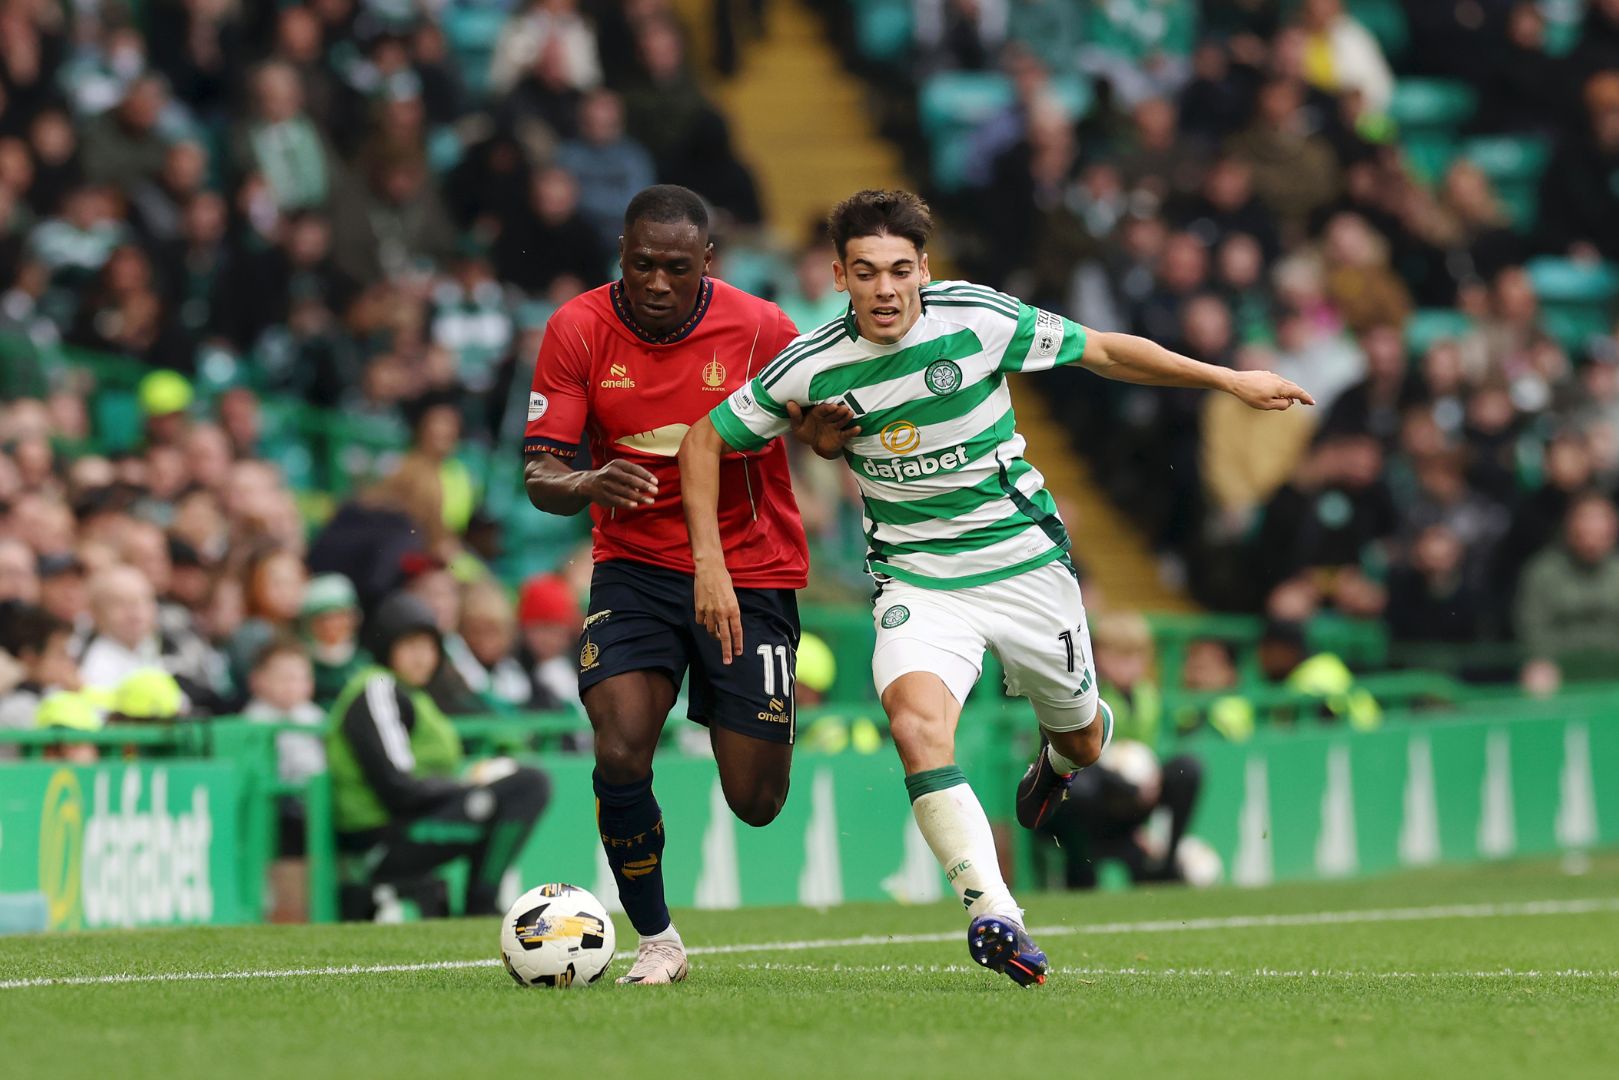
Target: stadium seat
<point>951,104</point>
<point>1514,164</point>
<point>1386,21</point>
<point>472,32</point>
<point>1428,325</point>
<point>882,29</point>
<point>1568,281</point>
<point>1432,104</point>
<point>1576,298</point>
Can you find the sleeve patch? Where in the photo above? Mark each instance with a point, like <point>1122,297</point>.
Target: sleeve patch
<point>537,404</point>
<point>743,401</point>
<point>1048,335</point>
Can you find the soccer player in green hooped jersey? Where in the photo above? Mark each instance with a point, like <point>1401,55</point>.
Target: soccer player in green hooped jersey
<point>968,552</point>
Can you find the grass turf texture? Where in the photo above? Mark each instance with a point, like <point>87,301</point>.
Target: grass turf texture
<point>1405,998</point>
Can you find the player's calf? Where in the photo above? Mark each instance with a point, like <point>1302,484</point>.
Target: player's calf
<point>1063,752</point>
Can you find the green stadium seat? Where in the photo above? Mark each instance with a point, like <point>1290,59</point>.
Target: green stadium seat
<point>1386,21</point>
<point>1432,104</point>
<point>1428,325</point>
<point>1514,164</point>
<point>1428,154</point>
<point>882,29</point>
<point>116,418</point>
<point>1576,298</point>
<point>957,99</point>
<point>1568,281</point>
<point>952,104</point>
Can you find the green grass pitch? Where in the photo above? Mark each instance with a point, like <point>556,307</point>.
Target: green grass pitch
<point>1509,969</point>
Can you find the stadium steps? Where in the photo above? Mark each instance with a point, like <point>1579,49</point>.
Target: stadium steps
<point>1115,554</point>
<point>802,123</point>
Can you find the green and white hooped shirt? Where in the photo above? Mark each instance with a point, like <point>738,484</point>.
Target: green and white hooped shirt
<point>949,500</point>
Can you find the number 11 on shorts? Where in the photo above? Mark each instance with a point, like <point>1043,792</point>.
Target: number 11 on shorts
<point>1067,639</point>
<point>764,652</point>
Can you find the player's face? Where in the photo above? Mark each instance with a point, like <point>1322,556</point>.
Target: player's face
<point>663,265</point>
<point>883,276</point>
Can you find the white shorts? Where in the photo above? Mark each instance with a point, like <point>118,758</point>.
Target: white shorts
<point>1033,622</point>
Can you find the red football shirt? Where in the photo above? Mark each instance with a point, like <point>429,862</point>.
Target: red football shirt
<point>636,397</point>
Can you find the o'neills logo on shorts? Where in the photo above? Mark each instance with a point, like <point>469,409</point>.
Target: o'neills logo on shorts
<point>905,469</point>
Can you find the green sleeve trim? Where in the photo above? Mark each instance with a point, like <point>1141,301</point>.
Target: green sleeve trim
<point>737,435</point>
<point>1022,338</point>
<point>1073,343</point>
<point>925,783</point>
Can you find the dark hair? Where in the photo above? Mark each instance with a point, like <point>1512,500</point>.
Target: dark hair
<point>667,204</point>
<point>881,213</point>
<point>28,629</point>
<point>279,645</point>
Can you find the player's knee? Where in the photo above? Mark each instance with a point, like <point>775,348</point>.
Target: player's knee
<point>620,761</point>
<point>758,806</point>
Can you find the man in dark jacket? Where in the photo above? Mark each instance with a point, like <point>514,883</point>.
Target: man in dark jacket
<point>395,764</point>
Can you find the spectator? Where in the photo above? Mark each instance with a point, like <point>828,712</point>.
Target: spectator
<point>1343,55</point>
<point>1568,599</point>
<point>1246,456</point>
<point>1108,803</point>
<point>369,536</point>
<point>281,143</point>
<point>39,642</point>
<point>1579,213</point>
<point>552,241</point>
<point>125,639</point>
<point>124,144</point>
<point>959,35</point>
<point>282,687</point>
<point>1374,404</point>
<point>19,577</point>
<point>810,300</point>
<point>1433,598</point>
<point>395,760</point>
<point>608,165</point>
<point>428,579</point>
<point>484,650</point>
<point>1360,282</point>
<point>549,616</point>
<point>273,586</point>
<point>1295,172</point>
<point>62,590</point>
<point>331,628</point>
<point>547,27</point>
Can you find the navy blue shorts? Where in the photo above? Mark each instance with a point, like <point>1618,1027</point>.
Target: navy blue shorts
<point>642,619</point>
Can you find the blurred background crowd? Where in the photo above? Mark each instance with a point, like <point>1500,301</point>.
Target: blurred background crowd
<point>273,275</point>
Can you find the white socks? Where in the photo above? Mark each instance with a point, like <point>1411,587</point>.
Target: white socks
<point>669,933</point>
<point>954,824</point>
<point>1062,764</point>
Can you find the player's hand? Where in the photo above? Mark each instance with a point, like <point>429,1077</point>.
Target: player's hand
<point>824,428</point>
<point>717,609</point>
<point>620,484</point>
<point>1268,390</point>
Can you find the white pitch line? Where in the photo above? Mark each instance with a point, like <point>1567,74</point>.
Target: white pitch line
<point>1191,973</point>
<point>211,976</point>
<point>1159,926</point>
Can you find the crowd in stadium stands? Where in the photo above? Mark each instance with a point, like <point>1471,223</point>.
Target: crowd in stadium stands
<point>370,207</point>
<point>1260,185</point>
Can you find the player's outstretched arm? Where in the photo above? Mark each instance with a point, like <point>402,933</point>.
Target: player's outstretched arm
<point>715,599</point>
<point>557,489</point>
<point>1136,360</point>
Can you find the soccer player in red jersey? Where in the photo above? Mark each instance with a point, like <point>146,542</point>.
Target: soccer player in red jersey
<point>634,364</point>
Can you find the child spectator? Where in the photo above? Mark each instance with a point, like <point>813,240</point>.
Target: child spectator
<point>283,686</point>
<point>331,625</point>
<point>38,641</point>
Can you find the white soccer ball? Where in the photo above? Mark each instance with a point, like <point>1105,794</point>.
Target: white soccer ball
<point>557,935</point>
<point>1200,865</point>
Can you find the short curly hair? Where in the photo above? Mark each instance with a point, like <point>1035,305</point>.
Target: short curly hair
<point>881,213</point>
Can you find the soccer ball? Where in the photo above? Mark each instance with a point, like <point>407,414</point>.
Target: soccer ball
<point>557,935</point>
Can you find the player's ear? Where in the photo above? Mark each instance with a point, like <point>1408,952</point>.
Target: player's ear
<point>840,277</point>
<point>708,257</point>
<point>922,269</point>
<point>621,252</point>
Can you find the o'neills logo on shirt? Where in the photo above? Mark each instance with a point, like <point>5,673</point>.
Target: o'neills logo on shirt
<point>621,378</point>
